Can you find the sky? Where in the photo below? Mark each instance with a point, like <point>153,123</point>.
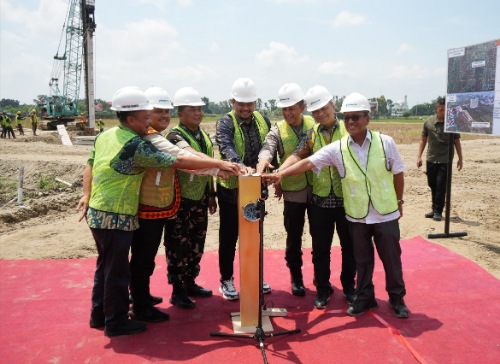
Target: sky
<point>390,48</point>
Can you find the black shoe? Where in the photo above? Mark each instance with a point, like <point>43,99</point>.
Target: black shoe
<point>150,314</point>
<point>429,215</point>
<point>96,323</point>
<point>399,307</point>
<point>437,216</point>
<point>195,290</point>
<point>155,300</point>
<point>358,308</point>
<point>128,327</point>
<point>182,301</point>
<point>321,299</point>
<point>298,289</point>
<point>350,297</point>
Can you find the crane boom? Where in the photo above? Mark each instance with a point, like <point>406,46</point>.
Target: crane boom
<point>61,108</point>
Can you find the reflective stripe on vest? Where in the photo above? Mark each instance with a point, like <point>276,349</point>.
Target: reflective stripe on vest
<point>375,185</point>
<point>113,191</point>
<point>328,176</point>
<point>239,144</point>
<point>290,141</point>
<point>192,186</point>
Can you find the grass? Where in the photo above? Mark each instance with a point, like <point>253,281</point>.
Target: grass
<point>403,130</point>
<point>48,183</point>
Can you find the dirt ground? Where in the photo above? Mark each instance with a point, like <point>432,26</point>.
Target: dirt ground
<point>47,227</point>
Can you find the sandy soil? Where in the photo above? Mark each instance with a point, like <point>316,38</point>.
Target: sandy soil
<point>47,227</point>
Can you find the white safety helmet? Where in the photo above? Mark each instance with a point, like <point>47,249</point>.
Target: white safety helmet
<point>355,102</point>
<point>244,90</point>
<point>289,94</point>
<point>317,97</point>
<point>130,99</point>
<point>158,98</point>
<point>187,96</point>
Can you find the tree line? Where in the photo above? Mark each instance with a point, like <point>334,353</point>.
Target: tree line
<point>268,108</point>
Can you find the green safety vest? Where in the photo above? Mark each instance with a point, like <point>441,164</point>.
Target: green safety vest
<point>113,191</point>
<point>375,185</point>
<point>328,177</point>
<point>239,144</point>
<point>5,120</point>
<point>194,187</point>
<point>18,120</point>
<point>290,141</point>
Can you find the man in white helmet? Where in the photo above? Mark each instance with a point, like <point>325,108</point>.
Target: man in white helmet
<point>185,234</point>
<point>282,140</point>
<point>159,201</point>
<point>240,135</point>
<point>372,174</point>
<point>111,184</point>
<point>326,210</point>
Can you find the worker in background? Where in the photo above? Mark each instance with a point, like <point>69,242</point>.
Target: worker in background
<point>34,121</point>
<point>8,126</point>
<point>19,122</point>
<point>111,184</point>
<point>158,202</point>
<point>4,123</point>
<point>372,177</point>
<point>282,139</point>
<point>240,135</point>
<point>185,234</point>
<point>437,157</point>
<point>326,211</point>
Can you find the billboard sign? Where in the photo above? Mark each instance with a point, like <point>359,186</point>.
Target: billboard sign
<point>473,90</point>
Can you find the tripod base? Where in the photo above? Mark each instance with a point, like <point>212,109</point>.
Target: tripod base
<point>266,322</point>
<point>267,326</point>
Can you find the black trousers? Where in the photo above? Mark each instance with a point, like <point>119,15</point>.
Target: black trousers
<point>322,226</point>
<point>228,235</point>
<point>112,276</point>
<point>436,179</point>
<point>145,245</point>
<point>386,237</point>
<point>294,219</point>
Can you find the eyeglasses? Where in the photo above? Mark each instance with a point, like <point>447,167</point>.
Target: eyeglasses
<point>354,118</point>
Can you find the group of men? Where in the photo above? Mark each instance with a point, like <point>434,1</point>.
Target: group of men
<point>140,185</point>
<point>8,131</point>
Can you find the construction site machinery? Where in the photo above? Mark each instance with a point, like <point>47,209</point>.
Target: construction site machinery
<point>62,107</point>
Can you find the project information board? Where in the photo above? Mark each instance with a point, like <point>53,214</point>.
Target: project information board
<point>473,92</point>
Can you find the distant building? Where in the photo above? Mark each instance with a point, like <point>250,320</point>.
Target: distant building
<point>399,108</point>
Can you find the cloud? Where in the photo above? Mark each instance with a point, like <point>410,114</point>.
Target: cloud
<point>155,38</point>
<point>408,73</point>
<point>163,5</point>
<point>280,55</point>
<point>346,18</point>
<point>403,48</point>
<point>331,68</point>
<point>214,47</point>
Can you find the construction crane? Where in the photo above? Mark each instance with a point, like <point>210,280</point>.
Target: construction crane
<point>62,107</point>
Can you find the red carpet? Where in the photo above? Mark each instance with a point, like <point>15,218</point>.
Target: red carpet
<point>455,318</point>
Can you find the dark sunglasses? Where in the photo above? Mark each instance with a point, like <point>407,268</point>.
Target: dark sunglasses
<point>354,118</point>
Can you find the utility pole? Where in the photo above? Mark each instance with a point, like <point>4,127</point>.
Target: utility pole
<point>88,8</point>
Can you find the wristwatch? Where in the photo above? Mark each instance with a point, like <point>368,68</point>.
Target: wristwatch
<point>401,202</point>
